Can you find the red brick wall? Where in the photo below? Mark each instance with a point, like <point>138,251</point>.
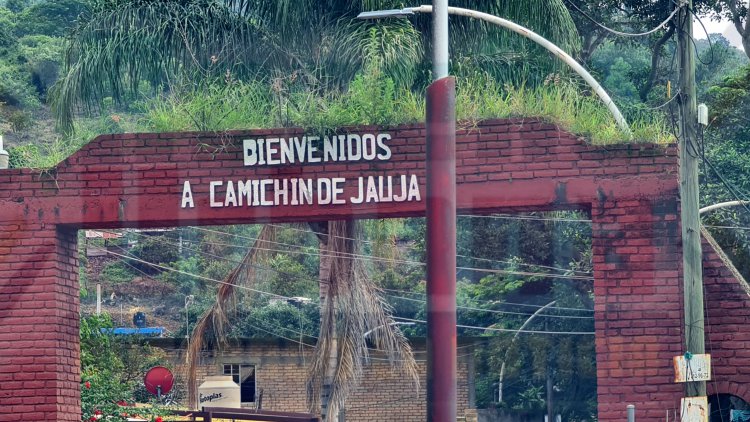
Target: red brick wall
<point>39,353</point>
<point>136,180</point>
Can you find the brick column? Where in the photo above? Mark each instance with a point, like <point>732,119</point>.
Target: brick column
<point>638,305</point>
<point>39,338</point>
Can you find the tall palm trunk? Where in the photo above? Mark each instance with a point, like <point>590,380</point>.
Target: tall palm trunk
<point>324,277</point>
<point>351,306</point>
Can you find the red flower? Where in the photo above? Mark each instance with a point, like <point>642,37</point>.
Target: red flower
<point>158,419</point>
<point>88,384</point>
<point>97,412</point>
<point>93,418</point>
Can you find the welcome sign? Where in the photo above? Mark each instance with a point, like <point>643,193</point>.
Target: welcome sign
<point>300,191</point>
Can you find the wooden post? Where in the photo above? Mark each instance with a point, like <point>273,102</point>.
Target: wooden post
<point>692,256</point>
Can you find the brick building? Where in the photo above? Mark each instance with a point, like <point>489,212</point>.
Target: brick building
<point>276,370</point>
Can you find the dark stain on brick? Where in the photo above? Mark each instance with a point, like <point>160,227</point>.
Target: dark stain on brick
<point>56,210</point>
<point>40,213</point>
<point>601,196</point>
<point>662,208</point>
<point>561,193</point>
<point>612,257</point>
<point>121,209</point>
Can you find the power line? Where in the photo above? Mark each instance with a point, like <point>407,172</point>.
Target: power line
<point>162,267</point>
<point>496,311</point>
<point>316,281</point>
<point>378,258</point>
<point>349,255</point>
<point>503,330</point>
<point>287,297</point>
<point>625,34</point>
<point>530,217</point>
<point>502,303</point>
<point>398,297</point>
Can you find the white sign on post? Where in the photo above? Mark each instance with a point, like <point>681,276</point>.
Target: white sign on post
<point>694,409</point>
<point>696,368</point>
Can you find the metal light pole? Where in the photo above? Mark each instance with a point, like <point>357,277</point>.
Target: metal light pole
<point>441,219</point>
<point>441,195</point>
<point>441,227</point>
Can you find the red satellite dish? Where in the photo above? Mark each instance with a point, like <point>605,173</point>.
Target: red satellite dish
<point>158,380</point>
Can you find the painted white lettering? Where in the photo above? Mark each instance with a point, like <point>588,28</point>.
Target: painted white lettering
<point>330,148</point>
<point>294,192</point>
<point>312,157</point>
<point>337,189</point>
<point>271,151</point>
<point>305,191</point>
<point>212,194</point>
<point>281,195</point>
<point>414,189</point>
<point>372,190</point>
<point>385,153</point>
<point>354,141</point>
<point>256,194</point>
<point>263,191</point>
<point>243,192</point>
<point>360,189</point>
<point>250,148</point>
<point>261,152</point>
<point>230,198</point>
<point>369,150</point>
<point>324,191</point>
<point>300,148</point>
<point>385,192</point>
<point>402,196</point>
<point>187,196</point>
<point>342,147</point>
<point>287,150</point>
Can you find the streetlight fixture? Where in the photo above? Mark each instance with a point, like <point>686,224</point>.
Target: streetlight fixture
<point>441,194</point>
<point>524,32</point>
<point>440,170</point>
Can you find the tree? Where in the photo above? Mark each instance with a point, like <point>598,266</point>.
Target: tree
<point>318,43</point>
<point>737,12</point>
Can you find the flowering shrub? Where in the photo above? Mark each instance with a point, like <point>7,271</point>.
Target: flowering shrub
<point>112,373</point>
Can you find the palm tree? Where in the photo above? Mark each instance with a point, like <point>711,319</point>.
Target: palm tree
<point>119,44</point>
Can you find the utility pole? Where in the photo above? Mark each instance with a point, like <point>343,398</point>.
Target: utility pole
<point>692,256</point>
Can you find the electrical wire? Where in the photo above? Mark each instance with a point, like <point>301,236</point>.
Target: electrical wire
<point>708,37</point>
<point>349,255</point>
<point>316,281</point>
<point>503,303</point>
<point>530,217</point>
<point>620,33</point>
<point>503,330</point>
<point>496,311</point>
<point>287,297</point>
<point>372,257</point>
<point>200,277</point>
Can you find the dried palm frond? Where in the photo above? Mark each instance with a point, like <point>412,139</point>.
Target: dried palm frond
<point>216,319</point>
<point>352,307</point>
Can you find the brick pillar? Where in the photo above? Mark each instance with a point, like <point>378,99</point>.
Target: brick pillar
<point>638,306</point>
<point>39,338</point>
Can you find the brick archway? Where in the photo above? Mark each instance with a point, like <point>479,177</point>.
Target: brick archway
<point>138,180</point>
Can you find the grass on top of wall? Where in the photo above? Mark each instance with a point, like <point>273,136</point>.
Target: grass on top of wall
<point>369,99</point>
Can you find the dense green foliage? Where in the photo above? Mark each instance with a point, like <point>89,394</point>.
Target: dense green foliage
<point>112,370</point>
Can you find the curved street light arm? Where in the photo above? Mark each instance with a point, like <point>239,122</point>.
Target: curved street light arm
<point>510,346</point>
<point>722,205</point>
<point>533,36</point>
